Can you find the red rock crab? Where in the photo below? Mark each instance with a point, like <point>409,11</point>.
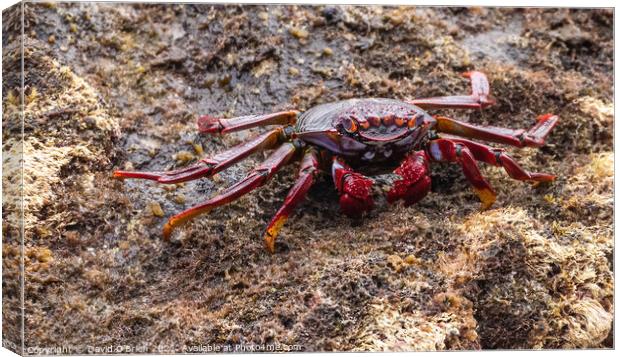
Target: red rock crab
<point>351,134</point>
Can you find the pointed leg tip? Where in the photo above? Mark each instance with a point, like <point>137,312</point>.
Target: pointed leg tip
<point>118,175</point>
<point>548,116</point>
<point>271,233</point>
<point>546,122</point>
<point>487,197</point>
<point>484,206</point>
<point>539,178</point>
<point>487,203</point>
<point>121,175</point>
<point>167,231</point>
<point>270,244</point>
<point>270,241</point>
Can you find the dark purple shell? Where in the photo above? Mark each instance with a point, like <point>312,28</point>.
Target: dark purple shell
<point>378,136</point>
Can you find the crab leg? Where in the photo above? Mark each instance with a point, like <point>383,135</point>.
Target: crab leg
<point>479,98</point>
<point>497,157</point>
<point>255,178</point>
<point>212,125</point>
<point>211,166</point>
<point>307,173</point>
<point>534,137</point>
<point>444,150</point>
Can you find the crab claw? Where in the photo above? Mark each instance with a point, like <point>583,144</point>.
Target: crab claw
<point>355,198</point>
<point>354,190</point>
<point>415,182</point>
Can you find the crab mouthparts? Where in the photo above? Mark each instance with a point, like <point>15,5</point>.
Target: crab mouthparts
<point>383,133</point>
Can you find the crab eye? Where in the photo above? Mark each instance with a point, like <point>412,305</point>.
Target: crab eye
<point>350,125</point>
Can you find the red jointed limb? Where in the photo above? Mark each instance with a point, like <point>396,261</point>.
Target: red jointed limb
<point>254,179</point>
<point>534,137</point>
<point>354,189</point>
<point>498,157</point>
<point>415,182</point>
<point>479,98</point>
<point>211,166</point>
<point>445,150</point>
<point>308,170</point>
<point>212,125</point>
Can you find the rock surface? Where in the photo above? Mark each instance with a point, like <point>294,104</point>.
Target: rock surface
<point>113,85</point>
